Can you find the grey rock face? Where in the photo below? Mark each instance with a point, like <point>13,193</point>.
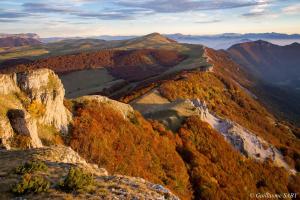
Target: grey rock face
<point>242,139</point>
<point>44,86</point>
<point>21,90</point>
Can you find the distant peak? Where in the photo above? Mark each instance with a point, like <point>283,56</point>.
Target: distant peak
<point>294,44</point>
<point>155,34</point>
<point>159,37</point>
<point>262,42</point>
<point>250,43</point>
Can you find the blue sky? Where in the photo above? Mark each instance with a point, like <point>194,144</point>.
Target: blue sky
<point>136,17</point>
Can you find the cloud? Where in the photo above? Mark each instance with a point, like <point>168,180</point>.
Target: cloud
<point>106,16</point>
<point>45,8</point>
<point>209,21</point>
<point>253,14</point>
<point>118,14</point>
<point>11,14</point>
<point>293,9</point>
<point>8,20</point>
<point>261,9</point>
<point>131,10</point>
<point>83,0</point>
<point>176,6</point>
<point>111,14</point>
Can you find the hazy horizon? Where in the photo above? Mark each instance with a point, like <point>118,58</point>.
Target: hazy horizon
<point>69,18</point>
<point>136,35</point>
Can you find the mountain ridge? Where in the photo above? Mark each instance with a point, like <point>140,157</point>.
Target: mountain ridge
<point>261,55</point>
<point>9,42</point>
<point>198,128</point>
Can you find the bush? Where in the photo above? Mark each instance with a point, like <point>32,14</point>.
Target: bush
<point>49,135</point>
<point>77,181</point>
<point>36,109</point>
<point>134,120</point>
<point>21,141</point>
<point>53,83</point>
<point>29,183</point>
<point>31,166</point>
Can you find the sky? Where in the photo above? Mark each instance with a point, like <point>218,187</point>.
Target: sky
<point>65,18</point>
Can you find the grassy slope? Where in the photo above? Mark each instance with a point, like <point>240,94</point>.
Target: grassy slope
<point>52,49</point>
<point>85,82</point>
<point>72,46</point>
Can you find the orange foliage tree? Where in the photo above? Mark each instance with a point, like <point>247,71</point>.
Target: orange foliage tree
<point>218,171</point>
<point>129,146</point>
<point>227,99</point>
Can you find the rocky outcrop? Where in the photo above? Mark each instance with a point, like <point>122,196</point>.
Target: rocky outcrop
<point>59,159</point>
<point>6,132</point>
<point>242,139</point>
<point>44,86</point>
<point>64,154</point>
<point>172,114</point>
<point>23,124</point>
<point>28,99</point>
<point>125,109</point>
<point>8,84</point>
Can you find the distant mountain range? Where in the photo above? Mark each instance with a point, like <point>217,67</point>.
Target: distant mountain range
<point>272,63</point>
<point>20,35</point>
<point>226,40</point>
<point>9,42</point>
<point>239,36</point>
<point>17,40</point>
<point>217,41</point>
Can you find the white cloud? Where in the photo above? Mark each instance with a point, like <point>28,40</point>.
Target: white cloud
<point>293,9</point>
<point>260,8</point>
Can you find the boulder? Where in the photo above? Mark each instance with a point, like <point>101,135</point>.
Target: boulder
<point>125,109</point>
<point>23,124</point>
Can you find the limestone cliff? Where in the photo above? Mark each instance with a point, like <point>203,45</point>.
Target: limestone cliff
<point>27,100</point>
<point>43,86</point>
